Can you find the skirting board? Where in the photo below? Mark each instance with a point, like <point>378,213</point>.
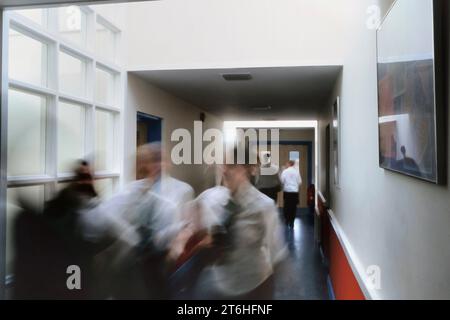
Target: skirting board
<point>353,260</point>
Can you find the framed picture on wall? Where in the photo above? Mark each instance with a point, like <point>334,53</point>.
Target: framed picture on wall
<point>335,145</point>
<point>410,104</point>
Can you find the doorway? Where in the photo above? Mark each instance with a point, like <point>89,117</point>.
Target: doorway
<point>306,146</point>
<point>301,153</point>
<point>149,129</point>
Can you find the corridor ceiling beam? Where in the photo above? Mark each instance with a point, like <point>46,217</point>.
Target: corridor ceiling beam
<point>41,3</point>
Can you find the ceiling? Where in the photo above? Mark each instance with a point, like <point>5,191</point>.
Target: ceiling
<point>273,93</point>
<point>34,3</point>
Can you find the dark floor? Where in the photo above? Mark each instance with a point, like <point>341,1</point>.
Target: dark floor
<point>302,276</point>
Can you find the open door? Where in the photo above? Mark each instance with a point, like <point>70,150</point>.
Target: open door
<point>148,130</point>
<point>300,153</point>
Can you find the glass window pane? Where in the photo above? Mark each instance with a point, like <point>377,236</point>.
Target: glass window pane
<point>104,187</point>
<point>34,195</point>
<point>38,16</point>
<point>24,66</point>
<point>72,24</point>
<point>104,141</point>
<point>26,133</point>
<point>294,155</point>
<point>72,75</point>
<point>105,42</point>
<point>104,87</point>
<point>71,135</point>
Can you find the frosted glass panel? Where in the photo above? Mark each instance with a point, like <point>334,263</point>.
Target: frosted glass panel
<point>72,24</point>
<point>23,65</point>
<point>104,87</point>
<point>36,15</point>
<point>71,135</point>
<point>72,75</point>
<point>294,155</point>
<point>104,187</point>
<point>105,42</point>
<point>26,133</point>
<point>34,195</point>
<point>104,141</point>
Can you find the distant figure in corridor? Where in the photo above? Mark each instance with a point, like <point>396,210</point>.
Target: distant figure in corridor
<point>291,180</point>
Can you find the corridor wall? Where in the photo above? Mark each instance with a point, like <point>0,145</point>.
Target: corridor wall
<point>176,113</point>
<point>385,220</point>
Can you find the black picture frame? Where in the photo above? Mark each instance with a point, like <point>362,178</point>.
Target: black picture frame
<point>406,104</point>
<point>336,142</point>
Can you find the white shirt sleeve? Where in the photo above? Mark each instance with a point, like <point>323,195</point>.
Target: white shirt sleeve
<point>283,177</point>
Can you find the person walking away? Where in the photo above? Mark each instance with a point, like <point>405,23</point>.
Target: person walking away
<point>291,180</point>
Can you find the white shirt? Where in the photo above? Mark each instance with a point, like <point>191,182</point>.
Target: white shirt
<point>291,179</point>
<point>178,193</point>
<point>258,241</point>
<point>121,215</point>
<point>174,190</point>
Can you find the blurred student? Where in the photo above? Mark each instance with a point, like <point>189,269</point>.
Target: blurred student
<point>291,180</point>
<point>48,244</point>
<point>145,218</point>
<point>152,161</point>
<point>246,238</point>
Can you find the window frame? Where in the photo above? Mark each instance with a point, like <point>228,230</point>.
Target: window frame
<point>48,33</point>
<point>87,117</point>
<point>53,25</point>
<point>116,38</point>
<point>56,43</point>
<point>86,76</point>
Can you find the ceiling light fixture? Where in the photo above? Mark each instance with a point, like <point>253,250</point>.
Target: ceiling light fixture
<point>266,108</point>
<point>237,76</point>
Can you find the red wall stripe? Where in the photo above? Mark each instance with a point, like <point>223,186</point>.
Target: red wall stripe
<point>345,285</point>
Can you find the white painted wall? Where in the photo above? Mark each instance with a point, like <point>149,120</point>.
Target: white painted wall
<point>393,221</point>
<point>116,14</point>
<point>204,33</point>
<point>176,114</point>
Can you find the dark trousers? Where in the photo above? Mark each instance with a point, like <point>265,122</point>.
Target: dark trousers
<point>290,207</point>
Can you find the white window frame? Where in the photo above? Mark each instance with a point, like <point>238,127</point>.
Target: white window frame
<point>116,34</point>
<point>87,72</point>
<point>48,33</point>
